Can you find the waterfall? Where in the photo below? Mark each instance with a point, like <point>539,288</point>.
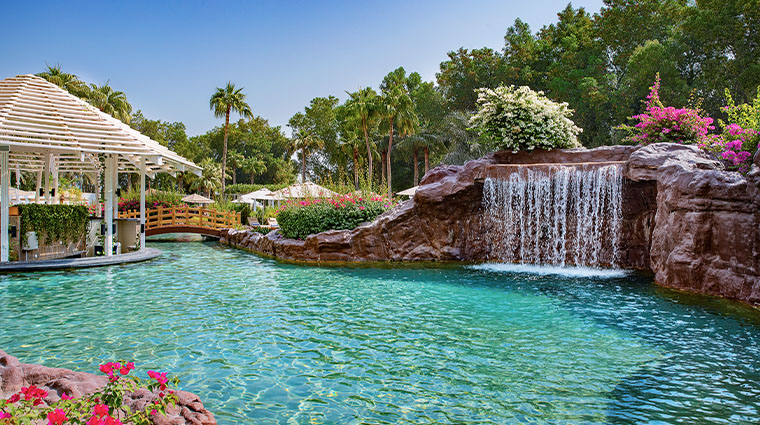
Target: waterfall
<point>555,214</point>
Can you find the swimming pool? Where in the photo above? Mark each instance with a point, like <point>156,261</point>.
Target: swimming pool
<point>264,342</point>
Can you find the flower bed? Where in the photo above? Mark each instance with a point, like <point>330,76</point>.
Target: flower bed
<point>299,219</point>
<point>103,407</point>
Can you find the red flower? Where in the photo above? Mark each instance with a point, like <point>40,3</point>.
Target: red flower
<point>100,410</point>
<point>14,398</point>
<point>56,417</point>
<point>32,392</point>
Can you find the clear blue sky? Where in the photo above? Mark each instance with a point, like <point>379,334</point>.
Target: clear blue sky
<point>168,57</point>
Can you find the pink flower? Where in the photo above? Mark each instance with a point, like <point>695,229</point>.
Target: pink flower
<point>14,398</point>
<point>4,415</point>
<point>56,417</point>
<point>65,396</point>
<point>100,410</point>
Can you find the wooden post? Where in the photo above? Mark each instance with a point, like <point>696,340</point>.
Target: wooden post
<point>46,171</point>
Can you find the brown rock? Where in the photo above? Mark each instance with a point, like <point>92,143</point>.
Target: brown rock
<point>57,381</point>
<point>696,226</point>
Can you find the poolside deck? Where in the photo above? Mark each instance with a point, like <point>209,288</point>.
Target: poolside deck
<point>77,263</point>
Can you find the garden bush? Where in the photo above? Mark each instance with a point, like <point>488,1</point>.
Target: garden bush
<point>243,188</point>
<point>64,223</point>
<point>661,124</point>
<point>299,219</point>
<point>103,407</point>
<point>518,118</point>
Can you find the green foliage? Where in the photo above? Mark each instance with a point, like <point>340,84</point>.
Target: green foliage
<point>518,118</point>
<point>65,223</point>
<point>298,220</point>
<point>262,214</point>
<point>242,208</point>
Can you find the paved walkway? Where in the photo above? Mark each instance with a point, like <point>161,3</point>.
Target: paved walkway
<point>76,263</point>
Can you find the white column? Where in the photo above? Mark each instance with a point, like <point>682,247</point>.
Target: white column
<point>142,203</point>
<point>54,166</point>
<point>109,205</point>
<point>98,193</point>
<point>115,186</point>
<point>46,172</point>
<point>38,187</point>
<point>5,179</point>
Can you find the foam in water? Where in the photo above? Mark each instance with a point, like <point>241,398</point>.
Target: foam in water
<point>556,215</point>
<point>576,272</point>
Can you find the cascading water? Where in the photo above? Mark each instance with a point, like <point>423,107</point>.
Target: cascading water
<point>555,215</point>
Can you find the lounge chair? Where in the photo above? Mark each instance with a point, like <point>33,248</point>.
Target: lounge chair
<point>253,222</point>
<point>272,222</point>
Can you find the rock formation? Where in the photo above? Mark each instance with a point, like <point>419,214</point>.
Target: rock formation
<point>14,375</point>
<point>696,226</point>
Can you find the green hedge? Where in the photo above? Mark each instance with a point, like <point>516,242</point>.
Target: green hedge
<point>300,219</point>
<point>65,223</point>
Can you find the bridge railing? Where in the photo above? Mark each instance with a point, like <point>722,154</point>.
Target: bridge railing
<point>186,216</point>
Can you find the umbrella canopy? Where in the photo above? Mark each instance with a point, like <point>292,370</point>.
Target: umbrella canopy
<point>408,192</point>
<point>197,199</point>
<point>305,190</point>
<point>256,195</point>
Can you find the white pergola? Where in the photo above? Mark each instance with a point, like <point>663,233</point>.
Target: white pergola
<point>47,130</point>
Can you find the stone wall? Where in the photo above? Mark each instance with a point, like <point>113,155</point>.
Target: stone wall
<point>693,224</point>
<point>56,381</point>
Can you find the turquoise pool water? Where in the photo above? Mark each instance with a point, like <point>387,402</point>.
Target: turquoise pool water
<point>267,343</point>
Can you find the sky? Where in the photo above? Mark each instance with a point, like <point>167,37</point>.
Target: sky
<point>170,56</point>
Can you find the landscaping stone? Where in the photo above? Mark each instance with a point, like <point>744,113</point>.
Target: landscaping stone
<point>56,381</point>
<point>685,218</point>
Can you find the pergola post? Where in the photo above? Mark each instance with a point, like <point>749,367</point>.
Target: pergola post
<point>142,202</point>
<point>115,186</point>
<point>109,205</point>
<point>5,179</point>
<point>56,196</point>
<point>46,171</point>
<point>38,187</point>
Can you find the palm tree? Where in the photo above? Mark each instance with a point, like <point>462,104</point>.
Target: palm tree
<point>110,101</point>
<point>254,166</point>
<point>222,102</point>
<point>64,80</point>
<point>398,110</point>
<point>351,143</point>
<point>304,138</point>
<point>210,178</point>
<point>363,106</point>
<point>236,158</point>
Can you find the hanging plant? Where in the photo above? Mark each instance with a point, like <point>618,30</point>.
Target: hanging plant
<point>64,223</point>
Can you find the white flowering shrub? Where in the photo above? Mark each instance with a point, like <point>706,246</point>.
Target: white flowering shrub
<point>518,118</point>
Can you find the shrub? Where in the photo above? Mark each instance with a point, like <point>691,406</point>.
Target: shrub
<point>64,223</point>
<point>299,219</point>
<point>225,205</point>
<point>667,124</point>
<point>518,118</point>
<point>105,406</point>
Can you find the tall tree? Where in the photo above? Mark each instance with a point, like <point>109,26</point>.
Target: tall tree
<point>110,101</point>
<point>305,139</point>
<point>223,102</point>
<point>363,106</point>
<point>253,166</point>
<point>398,112</point>
<point>65,80</point>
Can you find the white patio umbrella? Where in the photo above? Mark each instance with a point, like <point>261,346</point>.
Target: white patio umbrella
<point>408,192</point>
<point>197,199</point>
<point>305,190</point>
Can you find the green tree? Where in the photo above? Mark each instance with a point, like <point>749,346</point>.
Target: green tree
<point>236,158</point>
<point>223,102</point>
<point>110,101</point>
<point>210,179</point>
<point>467,70</point>
<point>362,106</point>
<point>305,138</point>
<point>253,166</point>
<point>65,80</point>
<point>398,112</point>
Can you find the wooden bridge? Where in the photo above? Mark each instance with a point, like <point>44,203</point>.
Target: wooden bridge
<point>183,219</point>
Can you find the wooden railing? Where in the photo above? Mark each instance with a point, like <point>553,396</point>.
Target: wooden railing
<point>183,216</point>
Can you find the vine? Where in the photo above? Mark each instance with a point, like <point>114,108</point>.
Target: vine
<point>65,223</point>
